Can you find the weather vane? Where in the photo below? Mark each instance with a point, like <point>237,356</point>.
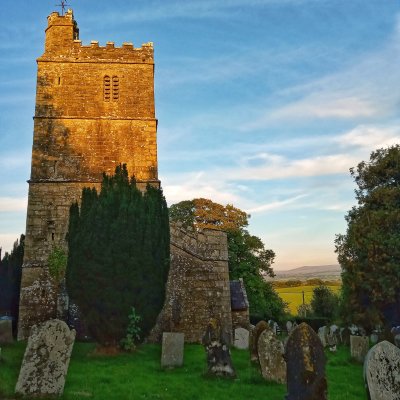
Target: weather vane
<point>62,5</point>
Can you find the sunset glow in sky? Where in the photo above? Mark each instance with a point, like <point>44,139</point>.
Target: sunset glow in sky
<point>264,104</point>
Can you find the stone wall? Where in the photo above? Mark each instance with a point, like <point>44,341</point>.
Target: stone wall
<point>198,285</point>
<point>94,110</point>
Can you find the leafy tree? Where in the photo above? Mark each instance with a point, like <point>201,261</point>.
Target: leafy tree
<point>57,262</point>
<point>118,256</point>
<point>248,257</point>
<point>324,302</point>
<point>10,278</point>
<point>369,252</point>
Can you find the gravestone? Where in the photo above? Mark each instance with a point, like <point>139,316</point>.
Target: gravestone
<point>270,354</point>
<point>305,359</point>
<point>289,327</point>
<point>359,346</point>
<point>382,372</point>
<point>46,359</point>
<point>323,335</point>
<point>172,349</point>
<point>241,340</point>
<point>6,335</point>
<point>255,334</point>
<point>374,338</point>
<point>219,361</point>
<point>345,336</point>
<point>397,340</point>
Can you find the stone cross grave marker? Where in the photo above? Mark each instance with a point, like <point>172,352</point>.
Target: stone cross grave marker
<point>46,359</point>
<point>241,340</point>
<point>172,349</point>
<point>382,372</point>
<point>6,335</point>
<point>359,346</point>
<point>305,360</point>
<point>270,354</point>
<point>255,334</point>
<point>219,361</point>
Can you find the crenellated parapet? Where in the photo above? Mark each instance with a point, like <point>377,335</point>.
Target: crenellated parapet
<point>62,42</point>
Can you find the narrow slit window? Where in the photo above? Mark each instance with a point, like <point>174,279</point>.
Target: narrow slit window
<point>115,88</point>
<point>107,88</point>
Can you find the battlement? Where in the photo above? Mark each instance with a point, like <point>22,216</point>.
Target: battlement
<point>62,41</point>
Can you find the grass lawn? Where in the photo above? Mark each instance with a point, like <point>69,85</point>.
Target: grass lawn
<point>139,376</point>
<point>294,295</point>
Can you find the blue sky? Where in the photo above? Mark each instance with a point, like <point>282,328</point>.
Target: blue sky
<point>264,104</point>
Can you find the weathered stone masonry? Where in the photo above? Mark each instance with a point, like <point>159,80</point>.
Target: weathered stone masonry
<point>94,110</point>
<point>198,285</point>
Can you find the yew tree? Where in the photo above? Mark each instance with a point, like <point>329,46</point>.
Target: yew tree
<point>118,256</point>
<point>369,252</point>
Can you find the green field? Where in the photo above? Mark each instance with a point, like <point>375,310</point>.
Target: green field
<point>294,295</point>
<point>139,376</point>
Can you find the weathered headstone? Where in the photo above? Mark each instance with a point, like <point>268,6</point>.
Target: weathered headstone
<point>270,354</point>
<point>359,346</point>
<point>6,335</point>
<point>382,372</point>
<point>45,364</point>
<point>305,359</point>
<point>374,338</point>
<point>255,334</point>
<point>345,336</point>
<point>397,340</point>
<point>323,335</point>
<point>218,355</point>
<point>289,326</point>
<point>241,338</point>
<point>172,349</point>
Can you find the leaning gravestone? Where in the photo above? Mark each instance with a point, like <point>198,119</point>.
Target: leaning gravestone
<point>305,360</point>
<point>359,346</point>
<point>172,349</point>
<point>255,334</point>
<point>241,340</point>
<point>323,335</point>
<point>270,354</point>
<point>218,355</point>
<point>6,335</point>
<point>45,364</point>
<point>382,372</point>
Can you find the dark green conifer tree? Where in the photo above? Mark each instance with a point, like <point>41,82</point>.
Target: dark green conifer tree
<point>118,256</point>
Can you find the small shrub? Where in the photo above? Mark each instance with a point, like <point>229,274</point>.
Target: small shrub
<point>132,332</point>
<point>57,263</point>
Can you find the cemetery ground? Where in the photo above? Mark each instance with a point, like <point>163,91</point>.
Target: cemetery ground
<point>293,295</point>
<point>139,375</point>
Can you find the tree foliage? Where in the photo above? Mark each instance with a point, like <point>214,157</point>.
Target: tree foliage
<point>369,252</point>
<point>324,302</point>
<point>118,256</point>
<point>10,278</point>
<point>248,257</point>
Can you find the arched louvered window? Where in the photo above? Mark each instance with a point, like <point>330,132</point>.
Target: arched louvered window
<point>107,88</point>
<point>115,88</point>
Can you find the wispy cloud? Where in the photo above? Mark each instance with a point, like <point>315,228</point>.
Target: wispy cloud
<point>275,204</point>
<point>8,204</point>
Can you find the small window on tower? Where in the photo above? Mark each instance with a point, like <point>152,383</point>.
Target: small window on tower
<point>107,88</point>
<point>115,88</point>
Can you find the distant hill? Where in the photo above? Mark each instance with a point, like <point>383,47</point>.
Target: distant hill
<point>325,272</point>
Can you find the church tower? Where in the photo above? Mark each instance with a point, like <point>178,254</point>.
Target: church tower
<point>94,110</point>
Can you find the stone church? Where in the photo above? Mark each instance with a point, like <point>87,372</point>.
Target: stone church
<point>94,110</point>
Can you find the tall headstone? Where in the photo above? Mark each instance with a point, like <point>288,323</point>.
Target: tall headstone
<point>6,335</point>
<point>382,372</point>
<point>241,340</point>
<point>345,336</point>
<point>323,332</point>
<point>305,360</point>
<point>255,334</point>
<point>45,364</point>
<point>359,346</point>
<point>219,361</point>
<point>289,326</point>
<point>270,354</point>
<point>172,349</point>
